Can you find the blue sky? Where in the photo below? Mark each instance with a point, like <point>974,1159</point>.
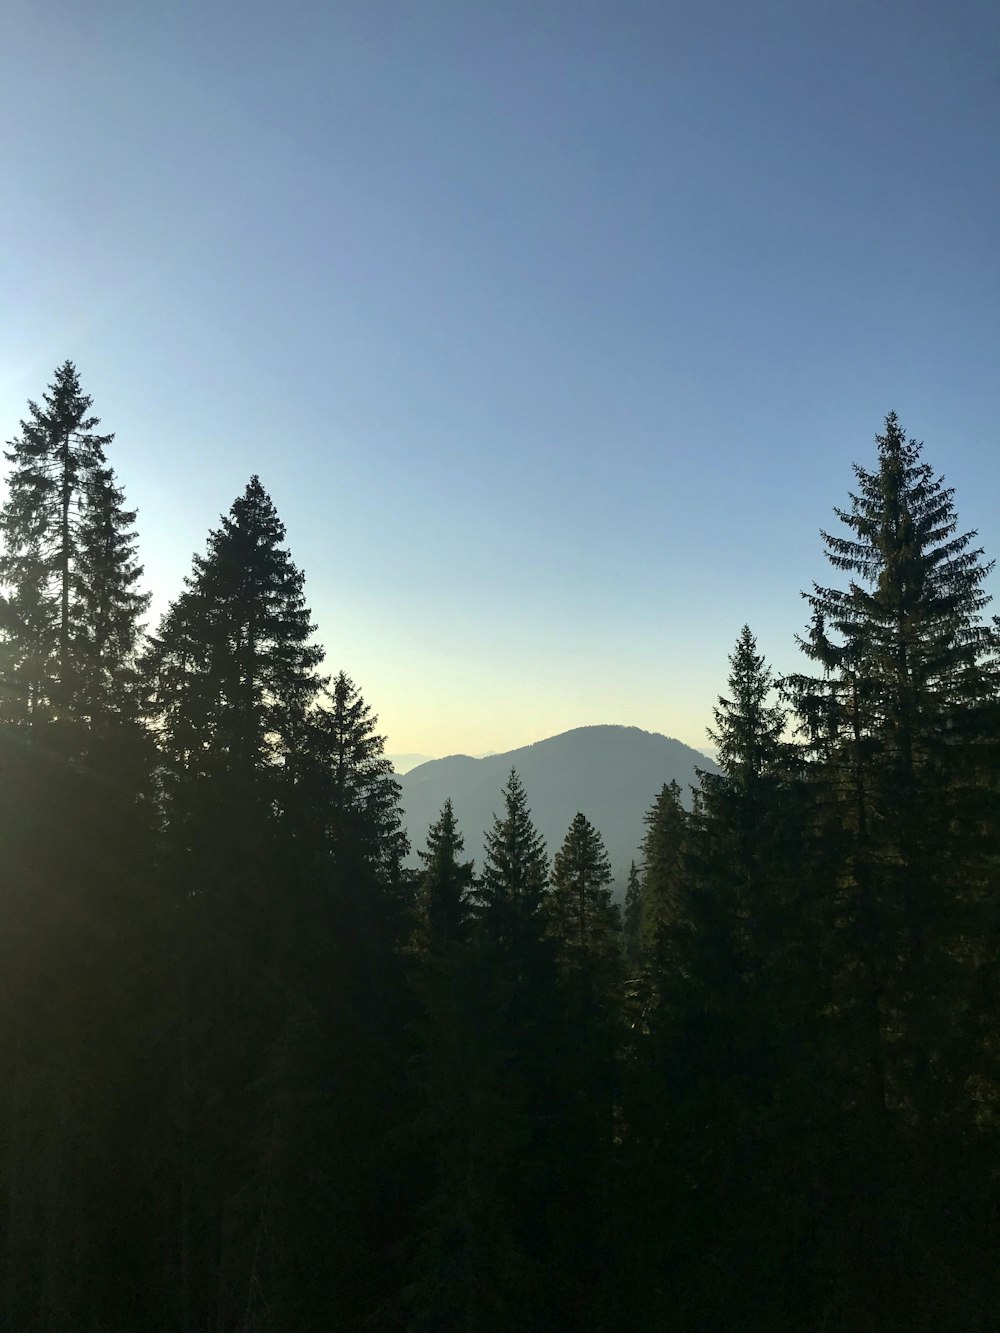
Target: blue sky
<point>553,329</point>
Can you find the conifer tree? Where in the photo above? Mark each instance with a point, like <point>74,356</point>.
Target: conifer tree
<point>901,734</point>
<point>78,947</point>
<point>579,902</point>
<point>232,668</point>
<point>232,677</point>
<point>664,851</point>
<point>459,1232</point>
<point>515,871</point>
<point>648,1156</point>
<point>357,783</point>
<point>586,928</point>
<point>57,465</point>
<point>900,727</point>
<point>353,1007</point>
<point>445,885</point>
<point>747,837</point>
<point>494,1207</point>
<point>738,1007</point>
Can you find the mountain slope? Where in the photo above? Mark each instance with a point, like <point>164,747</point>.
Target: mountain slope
<point>611,773</point>
<point>402,763</point>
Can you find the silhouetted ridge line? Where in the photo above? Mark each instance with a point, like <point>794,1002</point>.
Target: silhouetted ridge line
<point>609,772</point>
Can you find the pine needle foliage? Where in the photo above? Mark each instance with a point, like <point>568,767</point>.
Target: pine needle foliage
<point>664,877</point>
<point>515,870</point>
<point>232,668</point>
<point>358,783</point>
<point>582,916</point>
<point>68,564</point>
<point>445,886</point>
<point>900,729</point>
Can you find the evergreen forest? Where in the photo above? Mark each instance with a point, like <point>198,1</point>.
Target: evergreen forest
<point>258,1074</point>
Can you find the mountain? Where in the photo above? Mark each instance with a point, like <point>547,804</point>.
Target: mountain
<point>610,773</point>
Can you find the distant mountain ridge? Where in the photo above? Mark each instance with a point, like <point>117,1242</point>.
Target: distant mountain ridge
<point>402,763</point>
<point>611,773</point>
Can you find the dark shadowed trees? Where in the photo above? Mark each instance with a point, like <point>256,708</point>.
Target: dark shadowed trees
<point>259,1076</point>
<point>515,873</point>
<point>900,728</point>
<point>444,890</point>
<point>585,926</point>
<point>632,920</point>
<point>358,786</point>
<point>740,1006</point>
<point>232,676</point>
<point>80,916</point>
<point>901,732</point>
<point>108,603</point>
<point>582,915</point>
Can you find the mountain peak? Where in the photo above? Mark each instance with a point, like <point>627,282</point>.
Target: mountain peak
<point>610,772</point>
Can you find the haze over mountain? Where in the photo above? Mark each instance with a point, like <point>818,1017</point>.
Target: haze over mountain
<point>402,763</point>
<point>611,773</point>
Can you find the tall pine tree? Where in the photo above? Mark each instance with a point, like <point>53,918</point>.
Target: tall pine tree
<point>55,462</point>
<point>901,727</point>
<point>232,678</point>
<point>232,669</point>
<point>901,732</point>
<point>80,917</point>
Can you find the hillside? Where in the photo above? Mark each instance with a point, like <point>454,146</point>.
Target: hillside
<point>611,773</point>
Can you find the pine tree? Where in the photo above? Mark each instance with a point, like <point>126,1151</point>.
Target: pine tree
<point>350,1019</point>
<point>583,918</point>
<point>747,831</point>
<point>55,462</point>
<point>664,850</point>
<point>586,927</point>
<point>901,733</point>
<point>739,1006</point>
<point>232,668</point>
<point>81,952</point>
<point>649,1183</point>
<point>233,679</point>
<point>445,886</point>
<point>461,1239</point>
<point>357,783</point>
<point>748,727</point>
<point>900,727</point>
<point>509,1122</point>
<point>515,871</point>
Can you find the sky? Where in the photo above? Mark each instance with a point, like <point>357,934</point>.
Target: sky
<point>552,329</point>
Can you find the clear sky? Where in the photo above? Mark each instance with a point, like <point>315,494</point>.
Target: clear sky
<point>553,329</point>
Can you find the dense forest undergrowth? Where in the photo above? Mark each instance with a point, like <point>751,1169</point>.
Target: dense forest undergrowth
<point>259,1076</point>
